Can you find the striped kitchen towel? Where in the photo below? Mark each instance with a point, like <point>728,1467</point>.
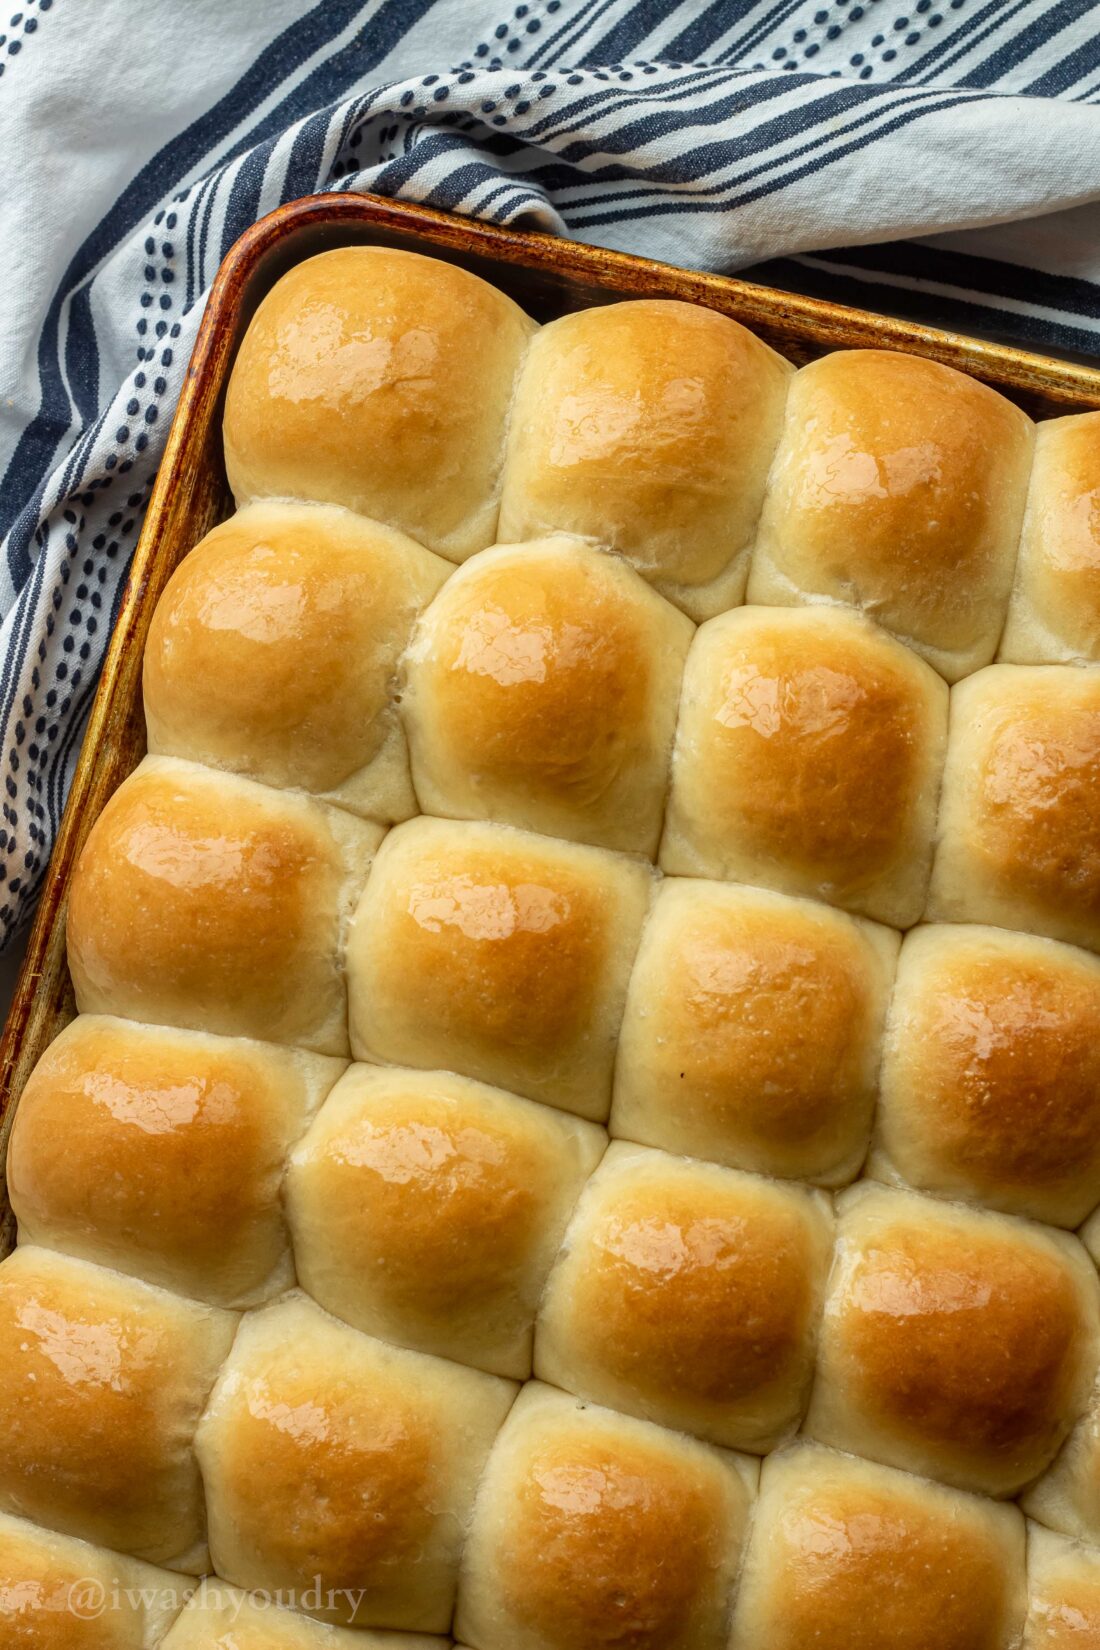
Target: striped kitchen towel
<point>935,158</point>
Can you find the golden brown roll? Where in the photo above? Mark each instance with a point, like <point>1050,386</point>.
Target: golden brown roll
<point>541,690</point>
<point>1067,1496</point>
<point>1019,831</point>
<point>427,1209</point>
<point>57,1593</point>
<point>498,954</point>
<point>752,1031</point>
<point>990,1087</point>
<point>648,427</point>
<point>206,901</point>
<point>102,1381</point>
<point>595,1529</point>
<point>333,1460</point>
<point>174,1149</point>
<point>219,1617</point>
<point>1054,613</point>
<point>379,380</point>
<point>849,1555</point>
<point>898,488</point>
<point>689,1295</point>
<point>273,652</point>
<point>1063,1583</point>
<point>956,1343</point>
<point>807,758</point>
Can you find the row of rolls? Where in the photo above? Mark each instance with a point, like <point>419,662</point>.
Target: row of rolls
<point>414,393</point>
<point>411,1246</point>
<point>686,1260</point>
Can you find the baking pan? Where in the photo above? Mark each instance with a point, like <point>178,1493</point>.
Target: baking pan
<point>547,277</point>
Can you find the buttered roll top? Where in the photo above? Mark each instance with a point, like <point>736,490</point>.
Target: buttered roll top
<point>381,381</point>
<point>498,954</point>
<point>648,427</point>
<point>991,1072</point>
<point>374,1451</point>
<point>1019,832</point>
<point>597,1529</point>
<point>849,1555</point>
<point>752,1031</point>
<point>957,1343</point>
<point>541,690</point>
<point>175,1144</point>
<point>102,1383</point>
<point>898,488</point>
<point>213,903</point>
<point>274,649</point>
<point>808,757</point>
<point>427,1208</point>
<point>1054,614</point>
<point>690,1295</point>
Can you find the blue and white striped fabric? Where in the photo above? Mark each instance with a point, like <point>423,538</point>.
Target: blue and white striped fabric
<point>936,158</point>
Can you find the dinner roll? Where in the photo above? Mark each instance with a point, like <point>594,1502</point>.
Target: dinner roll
<point>648,427</point>
<point>955,1342</point>
<point>1067,1497</point>
<point>102,1380</point>
<point>61,1594</point>
<point>274,647</point>
<point>218,1617</point>
<point>1063,1583</point>
<point>807,758</point>
<point>1019,832</point>
<point>427,1209</point>
<point>173,1157</point>
<point>206,901</point>
<point>1054,614</point>
<point>379,380</point>
<point>849,1555</point>
<point>595,1529</point>
<point>541,691</point>
<point>991,1073</point>
<point>335,1462</point>
<point>689,1295</point>
<point>898,488</point>
<point>752,1031</point>
<point>498,954</point>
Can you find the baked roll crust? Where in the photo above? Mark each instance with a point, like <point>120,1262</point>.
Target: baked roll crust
<point>220,1617</point>
<point>955,1343</point>
<point>849,1555</point>
<point>497,954</point>
<point>212,903</point>
<point>1019,830</point>
<point>1054,614</point>
<point>57,1593</point>
<point>648,427</point>
<point>1063,1584</point>
<point>381,381</point>
<point>274,648</point>
<point>689,1295</point>
<point>577,1515</point>
<point>1067,1496</point>
<point>427,1209</point>
<point>752,1032</point>
<point>541,690</point>
<point>991,1073</point>
<point>371,1452</point>
<point>102,1382</point>
<point>898,488</point>
<point>174,1150</point>
<point>807,758</point>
